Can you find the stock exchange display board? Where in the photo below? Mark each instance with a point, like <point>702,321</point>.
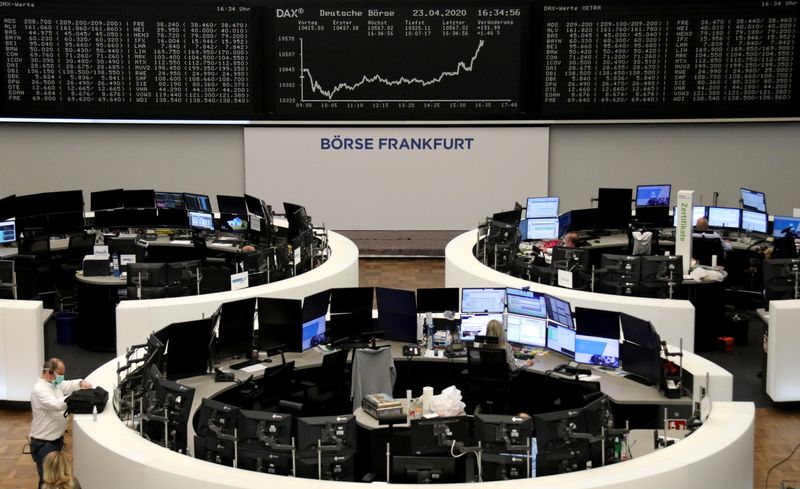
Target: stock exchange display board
<point>443,61</point>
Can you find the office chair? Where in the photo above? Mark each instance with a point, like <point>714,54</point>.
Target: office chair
<point>277,384</point>
<point>369,376</point>
<point>703,248</point>
<point>643,247</point>
<point>488,378</point>
<point>329,393</point>
<point>201,251</point>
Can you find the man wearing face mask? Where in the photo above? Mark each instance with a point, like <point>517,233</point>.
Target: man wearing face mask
<point>47,404</point>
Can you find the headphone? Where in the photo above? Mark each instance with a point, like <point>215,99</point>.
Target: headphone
<point>50,366</point>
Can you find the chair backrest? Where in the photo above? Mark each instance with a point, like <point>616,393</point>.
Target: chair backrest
<point>35,246</point>
<point>373,372</point>
<point>703,248</point>
<point>487,365</point>
<point>81,241</point>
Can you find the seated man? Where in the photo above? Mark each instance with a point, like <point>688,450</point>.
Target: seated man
<point>701,231</point>
<point>571,240</point>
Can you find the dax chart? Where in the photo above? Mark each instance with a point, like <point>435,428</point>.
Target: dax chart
<point>375,62</point>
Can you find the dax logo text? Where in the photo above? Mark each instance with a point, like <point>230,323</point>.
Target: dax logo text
<point>288,13</point>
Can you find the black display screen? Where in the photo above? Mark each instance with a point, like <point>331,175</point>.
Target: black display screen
<point>262,60</point>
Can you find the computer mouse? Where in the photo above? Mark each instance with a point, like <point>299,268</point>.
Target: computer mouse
<point>597,241</point>
<point>436,353</point>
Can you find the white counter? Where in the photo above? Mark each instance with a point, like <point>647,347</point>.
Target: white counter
<point>783,361</point>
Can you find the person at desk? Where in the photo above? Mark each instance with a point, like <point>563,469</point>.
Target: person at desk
<point>495,328</point>
<point>701,231</point>
<point>571,240</point>
<point>48,422</point>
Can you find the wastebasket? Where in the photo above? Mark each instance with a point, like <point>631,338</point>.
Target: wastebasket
<point>66,326</point>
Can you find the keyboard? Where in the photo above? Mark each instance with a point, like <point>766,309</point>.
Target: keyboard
<point>524,356</point>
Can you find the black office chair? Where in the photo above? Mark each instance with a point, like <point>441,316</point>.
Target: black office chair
<point>202,254</point>
<point>488,378</point>
<point>276,385</point>
<point>330,392</point>
<point>704,247</point>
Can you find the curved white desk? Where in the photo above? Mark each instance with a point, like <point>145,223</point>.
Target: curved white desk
<point>673,319</point>
<point>137,319</point>
<point>718,455</point>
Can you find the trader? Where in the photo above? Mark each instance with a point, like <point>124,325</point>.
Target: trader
<point>571,240</point>
<point>701,231</point>
<point>48,423</point>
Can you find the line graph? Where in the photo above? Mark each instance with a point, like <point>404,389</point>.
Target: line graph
<point>329,94</point>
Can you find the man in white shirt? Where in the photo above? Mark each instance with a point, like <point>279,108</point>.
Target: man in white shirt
<point>702,231</point>
<point>47,405</point>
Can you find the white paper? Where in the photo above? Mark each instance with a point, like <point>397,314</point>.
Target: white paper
<point>125,259</point>
<point>101,251</point>
<point>239,281</point>
<point>565,279</point>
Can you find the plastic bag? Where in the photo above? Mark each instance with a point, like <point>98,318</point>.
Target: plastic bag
<point>702,274</point>
<point>448,403</point>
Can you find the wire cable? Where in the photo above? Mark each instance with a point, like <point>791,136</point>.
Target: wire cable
<point>766,477</point>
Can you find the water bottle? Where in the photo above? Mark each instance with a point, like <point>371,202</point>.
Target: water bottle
<point>429,330</point>
<point>94,413</point>
<point>115,265</point>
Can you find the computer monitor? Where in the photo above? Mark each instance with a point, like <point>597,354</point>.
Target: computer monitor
<point>436,435</point>
<point>352,299</point>
<point>473,325</point>
<point>259,429</point>
<point>279,323</point>
<point>438,299</point>
<point>397,314</point>
<point>597,337</point>
<point>754,221</point>
<point>214,450</point>
<point>559,311</point>
<point>264,460</point>
<point>653,195</point>
<point>625,268</point>
<point>505,465</point>
<point>483,300</point>
<point>233,223</point>
<point>541,207</point>
<point>654,216</point>
<point>197,202</point>
<point>187,352</point>
<point>8,231</point>
<point>526,303</point>
<point>779,277</point>
<point>539,229</point>
<point>298,219</point>
<point>724,217</point>
<point>556,429</point>
<point>697,213</point>
<point>502,431</point>
<point>642,364</point>
<point>8,207</point>
<point>106,199</point>
<point>781,224</point>
<point>639,331</point>
<point>614,207</point>
<point>526,331</point>
<point>65,201</point>
<point>511,218</point>
<point>561,339</point>
<point>313,333</point>
<point>339,466</point>
<point>232,204</point>
<point>662,269</point>
<point>172,218</point>
<point>202,221</point>
<point>330,431</point>
<point>182,277</point>
<point>216,419</point>
<point>139,199</point>
<point>564,258</point>
<point>753,200</point>
<point>147,274</point>
<point>316,305</point>
<point>254,206</point>
<point>235,335</point>
<point>423,470</point>
<point>169,200</point>
<point>176,398</point>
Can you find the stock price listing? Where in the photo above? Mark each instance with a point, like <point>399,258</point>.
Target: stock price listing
<point>395,63</point>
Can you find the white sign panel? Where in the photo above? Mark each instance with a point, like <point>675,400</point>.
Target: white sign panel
<point>683,230</point>
<point>239,281</point>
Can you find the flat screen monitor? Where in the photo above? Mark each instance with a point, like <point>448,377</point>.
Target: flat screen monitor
<point>500,430</point>
<point>201,220</point>
<point>8,232</point>
<point>147,274</point>
<point>279,323</point>
<point>753,200</point>
<point>437,299</point>
<point>337,466</point>
<point>473,325</point>
<point>352,299</point>
<point>172,218</point>
<point>298,219</point>
<point>653,195</point>
<point>625,268</point>
<point>539,229</point>
<point>106,199</point>
<point>232,204</point>
<point>662,268</point>
<point>423,470</point>
<point>639,331</point>
<point>216,418</point>
<point>183,274</point>
<point>754,221</point>
<point>597,337</point>
<point>139,199</point>
<point>483,300</point>
<point>65,201</point>
<point>314,333</point>
<point>31,205</point>
<point>436,435</point>
<point>581,219</point>
<point>397,314</point>
<point>235,335</point>
<point>559,311</point>
<point>316,305</point>
<point>197,202</point>
<point>232,223</point>
<point>641,363</point>
<point>264,460</point>
<point>337,431</point>
<point>724,217</point>
<point>526,303</point>
<point>697,213</point>
<point>506,465</point>
<point>526,331</point>
<point>511,218</point>
<point>561,339</point>
<point>264,429</point>
<point>8,207</point>
<point>786,223</point>
<point>654,216</point>
<point>187,352</point>
<point>169,200</point>
<point>254,206</point>
<point>542,207</point>
<point>614,207</point>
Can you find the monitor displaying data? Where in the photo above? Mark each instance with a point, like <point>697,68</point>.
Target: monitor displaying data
<point>526,331</point>
<point>483,300</point>
<point>475,325</point>
<point>197,202</point>
<point>724,217</point>
<point>201,220</point>
<point>559,311</point>
<point>653,195</point>
<point>539,229</point>
<point>313,333</point>
<point>8,233</point>
<point>783,224</point>
<point>526,303</point>
<point>170,200</point>
<point>541,207</point>
<point>755,222</point>
<point>697,213</point>
<point>753,200</point>
<point>561,339</point>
